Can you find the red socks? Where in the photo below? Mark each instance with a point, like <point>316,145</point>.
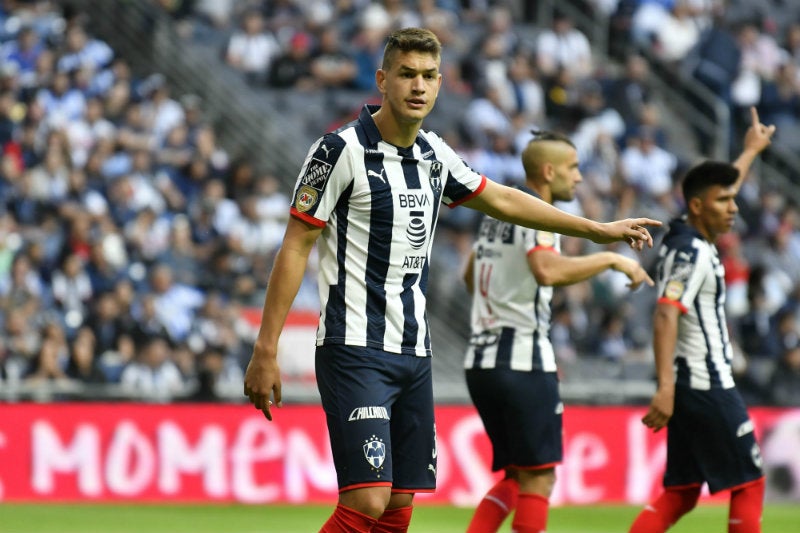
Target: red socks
<point>346,520</point>
<point>495,507</point>
<point>747,504</point>
<point>394,520</point>
<point>531,514</point>
<point>666,510</point>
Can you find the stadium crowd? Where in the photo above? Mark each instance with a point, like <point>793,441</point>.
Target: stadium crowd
<point>130,241</point>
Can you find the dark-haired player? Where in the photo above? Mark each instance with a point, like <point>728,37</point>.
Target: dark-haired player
<point>710,436</point>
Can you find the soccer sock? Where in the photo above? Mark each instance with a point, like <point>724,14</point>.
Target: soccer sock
<point>666,510</point>
<point>531,514</point>
<point>394,520</point>
<point>346,520</point>
<point>495,507</point>
<point>747,504</point>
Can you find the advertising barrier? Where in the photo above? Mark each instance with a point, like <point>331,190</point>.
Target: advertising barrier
<point>230,453</point>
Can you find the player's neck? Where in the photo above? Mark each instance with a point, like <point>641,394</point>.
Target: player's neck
<point>394,131</point>
<point>542,190</point>
<point>704,231</point>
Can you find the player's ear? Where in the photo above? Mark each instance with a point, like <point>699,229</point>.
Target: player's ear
<point>695,205</point>
<point>548,171</point>
<point>380,80</point>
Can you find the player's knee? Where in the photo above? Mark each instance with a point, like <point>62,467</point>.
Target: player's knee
<point>539,482</point>
<point>371,501</point>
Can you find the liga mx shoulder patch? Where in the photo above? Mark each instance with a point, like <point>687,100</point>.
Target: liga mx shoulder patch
<point>545,238</point>
<point>674,290</point>
<point>306,198</point>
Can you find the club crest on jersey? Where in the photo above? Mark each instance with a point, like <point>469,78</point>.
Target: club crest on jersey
<point>435,176</point>
<point>674,290</point>
<point>545,238</point>
<point>317,173</point>
<point>306,198</point>
<point>375,452</point>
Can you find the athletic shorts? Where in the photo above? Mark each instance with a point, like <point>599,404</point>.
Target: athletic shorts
<point>522,414</point>
<point>710,439</point>
<point>379,409</point>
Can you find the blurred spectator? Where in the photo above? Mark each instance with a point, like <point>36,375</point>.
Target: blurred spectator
<point>82,365</point>
<point>82,50</point>
<point>153,375</point>
<point>785,382</point>
<point>252,48</point>
<point>292,69</point>
<point>332,65</point>
<point>562,46</point>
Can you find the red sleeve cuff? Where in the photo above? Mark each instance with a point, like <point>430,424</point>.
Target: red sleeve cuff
<point>544,248</point>
<point>307,218</point>
<point>676,303</point>
<point>470,196</point>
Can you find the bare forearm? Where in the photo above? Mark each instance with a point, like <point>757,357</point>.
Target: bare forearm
<point>512,205</point>
<point>665,335</point>
<point>284,283</point>
<point>569,270</point>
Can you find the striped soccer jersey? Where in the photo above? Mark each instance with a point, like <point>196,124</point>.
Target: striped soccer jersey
<point>378,205</point>
<point>691,276</point>
<point>510,310</point>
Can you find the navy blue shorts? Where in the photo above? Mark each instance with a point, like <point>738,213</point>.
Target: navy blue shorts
<point>710,439</point>
<point>522,414</point>
<point>379,409</point>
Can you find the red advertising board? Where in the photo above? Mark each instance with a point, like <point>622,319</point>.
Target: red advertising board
<point>193,453</point>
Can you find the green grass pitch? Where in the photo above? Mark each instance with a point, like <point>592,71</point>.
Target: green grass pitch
<point>216,518</point>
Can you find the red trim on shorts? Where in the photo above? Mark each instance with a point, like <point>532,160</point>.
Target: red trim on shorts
<point>664,300</point>
<point>683,487</point>
<point>745,484</point>
<point>412,491</point>
<point>545,248</point>
<point>537,467</point>
<point>307,218</point>
<point>470,196</point>
<point>366,485</point>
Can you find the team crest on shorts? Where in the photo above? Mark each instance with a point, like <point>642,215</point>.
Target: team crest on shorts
<point>306,198</point>
<point>375,452</point>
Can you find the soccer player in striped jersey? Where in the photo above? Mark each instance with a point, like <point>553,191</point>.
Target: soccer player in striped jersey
<point>710,436</point>
<point>368,195</point>
<point>510,364</point>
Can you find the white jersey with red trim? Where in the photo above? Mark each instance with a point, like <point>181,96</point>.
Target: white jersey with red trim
<point>510,310</point>
<point>378,205</point>
<point>692,277</point>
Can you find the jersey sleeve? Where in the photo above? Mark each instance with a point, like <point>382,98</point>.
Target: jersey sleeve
<point>326,173</point>
<point>536,240</point>
<point>462,182</point>
<point>681,277</point>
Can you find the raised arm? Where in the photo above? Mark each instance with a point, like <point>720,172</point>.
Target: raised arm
<point>512,205</point>
<point>756,139</point>
<point>263,378</point>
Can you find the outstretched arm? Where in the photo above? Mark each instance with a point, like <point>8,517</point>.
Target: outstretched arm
<point>512,205</point>
<point>554,269</point>
<point>263,378</point>
<point>756,139</point>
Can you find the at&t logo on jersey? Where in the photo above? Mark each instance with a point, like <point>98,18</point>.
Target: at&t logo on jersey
<point>375,452</point>
<point>416,232</point>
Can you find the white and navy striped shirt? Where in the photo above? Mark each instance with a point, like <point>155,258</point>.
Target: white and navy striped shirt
<point>378,205</point>
<point>691,277</point>
<point>510,310</point>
